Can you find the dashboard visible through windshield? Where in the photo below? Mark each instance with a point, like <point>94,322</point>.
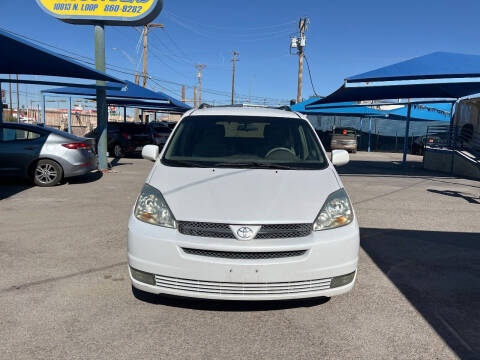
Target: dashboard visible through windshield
<point>244,142</point>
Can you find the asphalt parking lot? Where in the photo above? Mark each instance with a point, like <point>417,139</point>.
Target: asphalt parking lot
<point>65,291</point>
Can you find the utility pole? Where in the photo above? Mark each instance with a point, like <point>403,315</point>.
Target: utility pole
<point>299,43</point>
<point>146,29</point>
<point>183,93</point>
<point>195,104</point>
<point>18,103</point>
<point>137,81</point>
<point>234,60</point>
<point>200,67</point>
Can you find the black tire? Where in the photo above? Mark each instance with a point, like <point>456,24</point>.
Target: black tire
<point>117,151</point>
<point>47,173</point>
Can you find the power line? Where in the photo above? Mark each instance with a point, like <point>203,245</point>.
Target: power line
<point>126,71</point>
<point>310,74</point>
<point>255,28</point>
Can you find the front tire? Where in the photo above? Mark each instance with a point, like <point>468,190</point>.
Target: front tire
<point>117,151</point>
<point>47,173</point>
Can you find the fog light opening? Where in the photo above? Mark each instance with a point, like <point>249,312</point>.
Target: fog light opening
<point>342,280</point>
<point>142,276</point>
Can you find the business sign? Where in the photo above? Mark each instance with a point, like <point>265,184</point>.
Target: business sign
<point>107,12</point>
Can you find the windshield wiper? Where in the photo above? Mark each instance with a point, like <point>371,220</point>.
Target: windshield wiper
<point>186,163</point>
<point>253,165</point>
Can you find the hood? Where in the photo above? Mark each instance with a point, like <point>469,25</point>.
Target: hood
<point>244,196</point>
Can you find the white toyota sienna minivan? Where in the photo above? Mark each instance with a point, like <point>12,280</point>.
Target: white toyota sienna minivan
<point>243,204</point>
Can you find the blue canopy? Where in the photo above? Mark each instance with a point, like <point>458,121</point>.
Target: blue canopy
<point>343,109</point>
<point>423,112</point>
<point>432,66</point>
<point>132,95</point>
<point>419,112</point>
<point>439,75</point>
<point>19,56</point>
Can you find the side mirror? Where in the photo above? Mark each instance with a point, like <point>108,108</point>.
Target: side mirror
<point>150,152</point>
<point>340,157</point>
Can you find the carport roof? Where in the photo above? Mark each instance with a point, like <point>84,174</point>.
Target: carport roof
<point>132,95</point>
<point>22,57</point>
<point>442,75</point>
<point>419,112</point>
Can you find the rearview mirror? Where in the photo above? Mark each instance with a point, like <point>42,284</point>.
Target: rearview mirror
<point>150,152</point>
<point>340,157</point>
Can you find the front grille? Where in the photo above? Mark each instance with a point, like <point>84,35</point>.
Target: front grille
<point>213,230</point>
<point>244,255</point>
<point>216,230</point>
<point>279,231</point>
<point>235,288</point>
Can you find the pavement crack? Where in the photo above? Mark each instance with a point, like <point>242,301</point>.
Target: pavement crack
<point>58,278</point>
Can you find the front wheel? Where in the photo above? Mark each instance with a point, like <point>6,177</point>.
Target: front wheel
<point>47,173</point>
<point>117,151</point>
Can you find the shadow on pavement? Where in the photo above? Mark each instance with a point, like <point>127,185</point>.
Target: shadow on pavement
<point>10,186</point>
<point>225,305</point>
<point>85,179</point>
<point>387,168</point>
<point>471,198</point>
<point>118,162</point>
<point>439,273</point>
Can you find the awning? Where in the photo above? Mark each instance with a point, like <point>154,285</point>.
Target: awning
<point>438,65</point>
<point>131,95</point>
<point>343,109</point>
<point>442,75</point>
<point>419,112</point>
<point>22,57</point>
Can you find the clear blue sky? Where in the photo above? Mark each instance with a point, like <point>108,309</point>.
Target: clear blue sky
<point>344,38</point>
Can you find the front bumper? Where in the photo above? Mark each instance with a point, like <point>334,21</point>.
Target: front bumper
<point>158,251</point>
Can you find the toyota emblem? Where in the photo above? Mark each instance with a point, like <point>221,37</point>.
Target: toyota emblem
<point>245,233</point>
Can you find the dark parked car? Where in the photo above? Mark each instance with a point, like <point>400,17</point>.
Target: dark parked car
<point>43,154</point>
<point>160,133</point>
<point>125,138</point>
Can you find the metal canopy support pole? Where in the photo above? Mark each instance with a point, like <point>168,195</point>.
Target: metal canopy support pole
<point>124,114</point>
<point>1,104</point>
<point>407,130</point>
<point>70,115</point>
<point>452,140</point>
<point>102,111</point>
<point>369,134</point>
<point>43,109</point>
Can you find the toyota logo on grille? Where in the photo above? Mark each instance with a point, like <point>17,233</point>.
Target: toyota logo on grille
<point>245,233</point>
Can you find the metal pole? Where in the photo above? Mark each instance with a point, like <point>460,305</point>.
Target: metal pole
<point>18,102</point>
<point>124,114</point>
<point>102,111</point>
<point>43,109</point>
<point>1,104</point>
<point>369,134</point>
<point>234,60</point>
<point>70,115</point>
<point>452,141</point>
<point>407,130</point>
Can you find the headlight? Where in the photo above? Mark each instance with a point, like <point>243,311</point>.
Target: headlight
<point>337,211</point>
<point>152,208</point>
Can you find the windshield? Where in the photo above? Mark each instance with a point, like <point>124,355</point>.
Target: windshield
<point>244,141</point>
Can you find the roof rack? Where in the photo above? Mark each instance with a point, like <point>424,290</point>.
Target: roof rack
<point>284,107</point>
